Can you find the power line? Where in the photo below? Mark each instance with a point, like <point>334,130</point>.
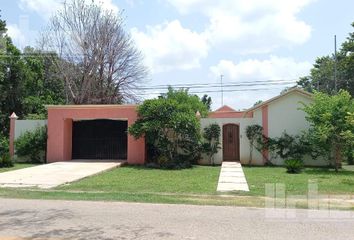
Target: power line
<point>218,83</point>
<point>222,90</point>
<point>217,91</point>
<point>162,87</point>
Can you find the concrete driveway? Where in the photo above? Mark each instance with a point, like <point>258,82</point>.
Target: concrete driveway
<point>54,174</point>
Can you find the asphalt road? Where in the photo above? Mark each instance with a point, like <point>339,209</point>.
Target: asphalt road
<point>42,219</point>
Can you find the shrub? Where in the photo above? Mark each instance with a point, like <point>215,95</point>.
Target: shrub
<point>4,145</point>
<point>293,165</point>
<point>170,127</point>
<point>5,161</point>
<point>32,145</point>
<point>212,143</point>
<point>255,137</point>
<point>350,157</point>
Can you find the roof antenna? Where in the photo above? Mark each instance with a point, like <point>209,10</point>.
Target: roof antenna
<point>222,90</point>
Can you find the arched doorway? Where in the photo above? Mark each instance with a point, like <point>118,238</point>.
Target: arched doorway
<point>231,142</point>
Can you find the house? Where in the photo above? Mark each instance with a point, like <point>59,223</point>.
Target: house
<point>100,131</point>
<point>276,115</point>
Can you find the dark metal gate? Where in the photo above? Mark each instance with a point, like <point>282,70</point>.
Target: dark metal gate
<point>99,139</point>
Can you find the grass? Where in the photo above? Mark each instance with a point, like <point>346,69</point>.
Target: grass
<point>17,166</point>
<point>192,186</point>
<point>203,180</point>
<point>329,182</point>
<point>199,179</point>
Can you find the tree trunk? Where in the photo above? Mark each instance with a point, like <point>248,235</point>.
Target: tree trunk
<point>338,157</point>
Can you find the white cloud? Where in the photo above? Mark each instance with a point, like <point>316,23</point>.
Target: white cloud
<point>171,46</point>
<point>278,68</point>
<point>273,68</point>
<point>16,35</point>
<point>45,8</point>
<point>107,5</point>
<point>259,26</point>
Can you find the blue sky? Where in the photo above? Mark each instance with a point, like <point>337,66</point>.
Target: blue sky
<point>195,41</point>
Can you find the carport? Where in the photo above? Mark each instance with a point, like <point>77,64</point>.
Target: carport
<point>99,139</point>
<point>93,132</point>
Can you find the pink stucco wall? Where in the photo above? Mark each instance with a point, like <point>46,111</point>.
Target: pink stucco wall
<point>265,126</point>
<point>60,118</point>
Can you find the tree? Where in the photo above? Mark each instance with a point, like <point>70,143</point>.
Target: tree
<point>321,76</point>
<point>3,30</point>
<point>255,137</point>
<point>170,125</point>
<point>27,82</point>
<point>347,63</point>
<point>257,103</point>
<point>207,101</point>
<point>12,75</point>
<point>331,125</point>
<point>97,58</point>
<point>212,145</point>
<point>348,136</point>
<point>42,85</point>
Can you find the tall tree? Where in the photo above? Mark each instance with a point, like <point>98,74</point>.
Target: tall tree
<point>98,59</point>
<point>11,75</point>
<point>26,82</point>
<point>331,124</point>
<point>321,76</point>
<point>2,34</point>
<point>347,63</point>
<point>42,85</point>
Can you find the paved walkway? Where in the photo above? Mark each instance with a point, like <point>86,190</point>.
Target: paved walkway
<point>54,174</point>
<point>232,178</point>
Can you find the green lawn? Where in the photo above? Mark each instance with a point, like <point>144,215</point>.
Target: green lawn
<point>329,182</point>
<point>203,180</point>
<point>199,179</point>
<point>191,186</point>
<point>17,166</point>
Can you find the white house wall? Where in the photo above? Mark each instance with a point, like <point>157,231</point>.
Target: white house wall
<point>284,115</point>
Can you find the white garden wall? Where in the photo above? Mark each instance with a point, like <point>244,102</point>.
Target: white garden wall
<point>22,126</point>
<point>244,143</point>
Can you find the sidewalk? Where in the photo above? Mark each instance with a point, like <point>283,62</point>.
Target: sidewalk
<point>232,178</point>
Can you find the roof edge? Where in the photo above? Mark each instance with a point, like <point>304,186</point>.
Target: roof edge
<point>298,90</point>
<point>90,106</point>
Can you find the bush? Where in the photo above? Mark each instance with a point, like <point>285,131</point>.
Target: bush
<point>171,128</point>
<point>212,143</point>
<point>293,165</point>
<point>4,145</point>
<point>32,145</point>
<point>5,161</point>
<point>181,162</point>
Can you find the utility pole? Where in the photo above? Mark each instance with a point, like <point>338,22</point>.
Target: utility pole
<point>335,63</point>
<point>222,90</point>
